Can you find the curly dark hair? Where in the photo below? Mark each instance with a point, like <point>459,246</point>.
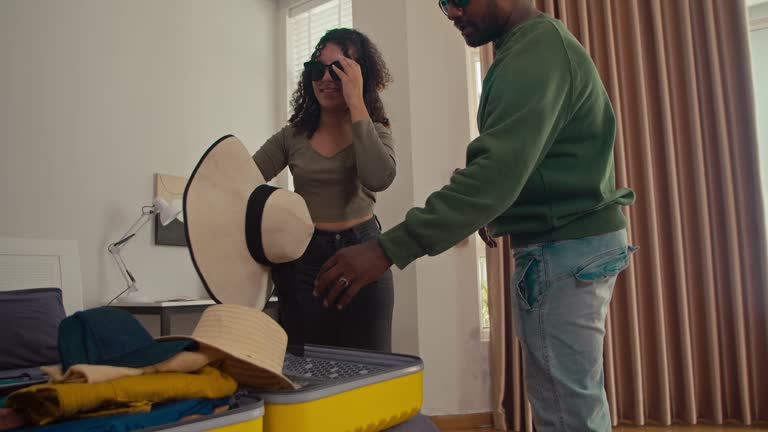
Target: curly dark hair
<point>306,109</point>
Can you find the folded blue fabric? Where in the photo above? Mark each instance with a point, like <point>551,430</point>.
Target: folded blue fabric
<point>161,414</point>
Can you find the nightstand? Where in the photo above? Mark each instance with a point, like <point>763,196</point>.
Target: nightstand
<point>166,309</point>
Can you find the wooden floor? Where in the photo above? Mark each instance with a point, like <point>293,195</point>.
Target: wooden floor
<point>662,429</point>
<point>473,423</point>
<point>693,429</point>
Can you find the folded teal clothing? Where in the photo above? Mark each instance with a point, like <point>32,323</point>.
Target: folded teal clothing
<point>161,414</point>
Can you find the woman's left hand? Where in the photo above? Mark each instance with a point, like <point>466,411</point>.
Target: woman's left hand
<point>352,84</point>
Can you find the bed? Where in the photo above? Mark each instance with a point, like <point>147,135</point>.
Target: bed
<point>39,285</point>
<point>38,263</point>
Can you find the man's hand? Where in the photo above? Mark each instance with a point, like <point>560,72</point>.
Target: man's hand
<point>490,241</point>
<point>352,268</point>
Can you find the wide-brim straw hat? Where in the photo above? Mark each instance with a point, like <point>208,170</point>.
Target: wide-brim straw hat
<point>249,344</point>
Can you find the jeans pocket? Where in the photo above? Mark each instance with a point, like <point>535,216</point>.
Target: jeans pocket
<point>605,265</point>
<point>528,284</point>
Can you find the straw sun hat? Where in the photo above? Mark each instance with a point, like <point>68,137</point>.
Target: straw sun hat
<point>248,343</point>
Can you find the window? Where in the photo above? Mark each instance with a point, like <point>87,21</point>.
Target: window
<point>758,16</point>
<point>475,87</point>
<point>475,75</point>
<point>308,21</point>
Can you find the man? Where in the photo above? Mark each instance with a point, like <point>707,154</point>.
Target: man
<point>541,172</point>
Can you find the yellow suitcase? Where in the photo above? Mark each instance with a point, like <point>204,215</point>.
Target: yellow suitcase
<point>344,390</point>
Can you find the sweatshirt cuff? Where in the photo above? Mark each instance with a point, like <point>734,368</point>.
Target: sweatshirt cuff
<point>400,247</point>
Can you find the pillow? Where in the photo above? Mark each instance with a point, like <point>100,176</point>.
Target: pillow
<point>29,327</point>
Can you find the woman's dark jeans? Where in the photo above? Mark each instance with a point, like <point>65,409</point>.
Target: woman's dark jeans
<point>366,322</point>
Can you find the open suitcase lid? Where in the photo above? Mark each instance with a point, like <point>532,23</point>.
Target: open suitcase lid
<point>238,227</point>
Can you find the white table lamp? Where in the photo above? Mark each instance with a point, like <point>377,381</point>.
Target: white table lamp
<point>167,214</point>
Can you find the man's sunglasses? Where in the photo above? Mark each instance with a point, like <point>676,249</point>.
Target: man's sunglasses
<point>446,4</point>
<point>316,70</point>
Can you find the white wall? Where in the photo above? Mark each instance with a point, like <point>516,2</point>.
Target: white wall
<point>98,95</point>
<point>429,106</point>
<point>377,19</point>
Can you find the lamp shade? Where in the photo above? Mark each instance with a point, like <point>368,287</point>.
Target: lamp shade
<point>166,211</point>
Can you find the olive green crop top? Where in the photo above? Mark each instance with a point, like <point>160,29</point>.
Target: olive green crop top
<point>338,188</point>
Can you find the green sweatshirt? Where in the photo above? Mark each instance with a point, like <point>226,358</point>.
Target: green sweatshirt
<point>542,167</point>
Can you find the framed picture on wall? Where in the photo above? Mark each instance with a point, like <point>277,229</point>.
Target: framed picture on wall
<point>171,189</point>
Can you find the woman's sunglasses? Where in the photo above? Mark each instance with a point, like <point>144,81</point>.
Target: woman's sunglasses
<point>316,70</point>
<point>445,4</point>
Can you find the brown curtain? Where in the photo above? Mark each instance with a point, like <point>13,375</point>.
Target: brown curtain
<point>687,332</point>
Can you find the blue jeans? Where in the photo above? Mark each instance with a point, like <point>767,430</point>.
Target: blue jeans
<point>561,291</point>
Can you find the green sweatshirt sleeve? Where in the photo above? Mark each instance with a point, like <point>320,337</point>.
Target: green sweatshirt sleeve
<point>523,106</point>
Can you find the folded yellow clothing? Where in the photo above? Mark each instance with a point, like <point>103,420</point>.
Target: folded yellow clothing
<point>186,361</point>
<point>45,403</point>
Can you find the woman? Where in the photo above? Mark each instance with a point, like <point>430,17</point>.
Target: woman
<point>339,149</point>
